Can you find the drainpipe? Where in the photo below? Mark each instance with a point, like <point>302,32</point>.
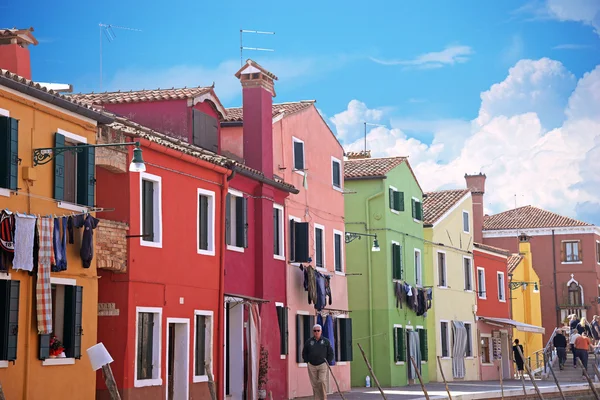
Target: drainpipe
<point>370,279</point>
<point>555,287</point>
<point>221,304</point>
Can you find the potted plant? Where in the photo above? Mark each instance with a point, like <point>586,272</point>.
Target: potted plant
<point>56,348</point>
<point>263,369</point>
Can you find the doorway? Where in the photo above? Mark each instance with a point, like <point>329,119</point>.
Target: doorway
<point>234,350</point>
<point>178,358</point>
<point>505,354</point>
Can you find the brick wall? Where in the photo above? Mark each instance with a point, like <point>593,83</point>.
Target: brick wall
<point>113,159</point>
<point>111,245</point>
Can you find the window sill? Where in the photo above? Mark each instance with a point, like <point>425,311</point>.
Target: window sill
<point>147,382</point>
<point>72,207</point>
<point>338,189</point>
<point>341,363</point>
<point>58,361</point>
<point>571,262</point>
<point>340,273</point>
<point>321,269</point>
<point>206,252</point>
<point>4,192</point>
<point>303,365</point>
<point>235,248</point>
<point>4,364</point>
<point>469,358</point>
<point>200,378</point>
<point>294,263</point>
<point>399,362</point>
<point>467,232</point>
<point>281,258</point>
<point>282,356</point>
<point>443,287</point>
<point>446,358</point>
<point>145,243</point>
<point>504,301</point>
<point>417,221</point>
<point>468,290</point>
<point>395,211</point>
<point>487,364</point>
<point>482,298</point>
<point>299,172</point>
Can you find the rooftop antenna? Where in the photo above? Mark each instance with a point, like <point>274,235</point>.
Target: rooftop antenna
<point>107,29</point>
<point>370,124</point>
<point>242,47</point>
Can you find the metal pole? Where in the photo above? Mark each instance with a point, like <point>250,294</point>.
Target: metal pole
<point>2,393</point>
<point>365,139</point>
<point>100,57</point>
<point>371,371</point>
<point>537,389</point>
<point>414,363</point>
<point>110,382</point>
<point>241,49</point>
<point>335,380</point>
<point>588,379</point>
<point>556,381</point>
<point>501,372</point>
<point>444,377</point>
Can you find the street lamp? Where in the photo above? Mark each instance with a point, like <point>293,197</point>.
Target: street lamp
<point>350,236</point>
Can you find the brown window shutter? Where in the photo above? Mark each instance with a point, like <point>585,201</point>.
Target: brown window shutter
<point>580,251</point>
<point>563,251</point>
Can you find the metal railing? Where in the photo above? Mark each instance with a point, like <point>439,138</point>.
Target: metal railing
<point>548,351</point>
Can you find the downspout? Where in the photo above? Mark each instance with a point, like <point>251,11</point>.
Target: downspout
<point>370,279</point>
<point>555,287</point>
<point>221,304</point>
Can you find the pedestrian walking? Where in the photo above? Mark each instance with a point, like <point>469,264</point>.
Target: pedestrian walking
<point>518,359</point>
<point>582,346</point>
<point>572,338</point>
<point>574,322</point>
<point>584,326</point>
<point>560,344</point>
<point>316,352</point>
<point>596,328</point>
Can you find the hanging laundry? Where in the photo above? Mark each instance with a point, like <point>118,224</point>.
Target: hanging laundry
<point>328,288</point>
<point>7,244</point>
<point>415,299</point>
<point>23,242</point>
<point>309,283</point>
<point>422,304</point>
<point>321,299</point>
<point>398,292</point>
<point>60,244</point>
<point>429,297</point>
<point>329,333</point>
<point>43,288</point>
<point>88,223</point>
<point>70,224</point>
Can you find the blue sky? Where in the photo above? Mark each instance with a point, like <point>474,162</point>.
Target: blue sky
<point>421,68</point>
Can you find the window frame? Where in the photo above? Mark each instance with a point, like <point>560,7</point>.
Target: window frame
<point>481,294</point>
<point>418,268</point>
<point>211,225</point>
<point>208,340</point>
<point>283,336</point>
<point>469,347</point>
<point>157,204</point>
<point>68,360</point>
<point>7,191</point>
<point>156,348</point>
<point>233,226</point>
<point>470,273</point>
<point>394,328</point>
<point>448,350</point>
<point>298,171</point>
<point>342,242</point>
<point>566,243</point>
<point>392,243</point>
<point>445,286</point>
<point>324,240</point>
<point>490,349</point>
<point>341,175</point>
<point>501,290</point>
<point>468,214</point>
<point>281,229</point>
<point>290,245</point>
<point>6,276</point>
<point>395,190</point>
<point>73,138</point>
<point>598,252</point>
<point>305,316</point>
<point>414,203</point>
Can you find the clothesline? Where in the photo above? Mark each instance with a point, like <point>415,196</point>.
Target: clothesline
<point>73,214</point>
<point>40,197</point>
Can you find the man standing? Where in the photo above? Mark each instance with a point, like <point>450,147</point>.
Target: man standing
<point>316,352</point>
<point>560,344</point>
<point>582,346</point>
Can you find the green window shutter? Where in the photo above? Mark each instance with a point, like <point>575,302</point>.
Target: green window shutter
<point>86,179</point>
<point>9,153</point>
<point>292,235</point>
<point>414,208</point>
<point>400,345</point>
<point>228,219</point>
<point>299,337</point>
<point>9,319</point>
<point>419,210</point>
<point>423,343</point>
<point>346,337</point>
<point>44,347</point>
<point>301,241</point>
<point>59,168</point>
<point>391,196</point>
<point>396,270</point>
<point>399,199</point>
<point>73,328</point>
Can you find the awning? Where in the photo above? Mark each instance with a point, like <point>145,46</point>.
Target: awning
<point>238,299</point>
<point>521,326</point>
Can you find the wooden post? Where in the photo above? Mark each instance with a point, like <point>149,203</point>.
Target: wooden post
<point>414,363</point>
<point>500,373</point>
<point>588,379</point>
<point>596,371</point>
<point>109,378</point>
<point>211,383</point>
<point>2,393</point>
<point>444,378</point>
<point>537,389</point>
<point>556,381</point>
<point>523,382</point>
<point>371,371</point>
<point>335,380</point>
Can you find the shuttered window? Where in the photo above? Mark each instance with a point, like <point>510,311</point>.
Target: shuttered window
<point>396,199</point>
<point>571,251</point>
<point>399,344</point>
<point>145,345</point>
<point>417,210</point>
<point>481,287</point>
<point>206,222</point>
<point>337,248</point>
<point>336,170</point>
<point>442,269</point>
<point>148,210</point>
<point>501,287</point>
<point>278,242</point>
<point>469,351</point>
<point>74,173</point>
<point>345,339</point>
<point>151,215</point>
<point>319,247</point>
<point>468,273</point>
<point>282,321</point>
<point>304,324</point>
<point>396,261</point>
<point>9,153</point>
<point>444,338</point>
<point>298,155</point>
<point>205,131</point>
<point>202,340</point>
<point>9,319</point>
<point>236,220</point>
<point>299,240</point>
<point>423,344</point>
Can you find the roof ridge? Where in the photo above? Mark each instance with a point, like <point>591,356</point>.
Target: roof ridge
<point>279,104</point>
<point>377,158</point>
<point>139,90</point>
<point>448,190</point>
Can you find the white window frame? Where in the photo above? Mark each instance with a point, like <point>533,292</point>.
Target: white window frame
<point>73,138</point>
<point>209,340</point>
<point>395,190</point>
<point>503,288</point>
<point>300,172</point>
<point>470,323</point>
<point>157,202</point>
<point>58,361</point>
<point>417,201</point>
<point>211,223</point>
<point>233,222</point>
<point>490,349</point>
<point>481,294</point>
<point>282,243</point>
<point>470,273</point>
<point>341,234</point>
<point>418,268</point>
<point>156,348</point>
<point>448,341</point>
<point>287,245</point>
<point>186,322</point>
<point>445,269</point>
<point>315,227</point>
<point>397,326</point>
<point>468,221</point>
<point>301,312</point>
<point>578,247</point>
<point>337,160</point>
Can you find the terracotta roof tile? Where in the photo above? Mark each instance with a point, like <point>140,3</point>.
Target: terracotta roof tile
<point>435,204</point>
<point>136,96</point>
<point>492,249</point>
<point>237,115</point>
<point>513,262</point>
<point>22,35</point>
<point>371,167</point>
<point>528,217</point>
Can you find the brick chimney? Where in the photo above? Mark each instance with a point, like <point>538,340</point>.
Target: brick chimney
<point>14,52</point>
<point>257,91</point>
<point>476,184</point>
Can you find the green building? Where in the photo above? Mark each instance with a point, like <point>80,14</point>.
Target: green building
<point>385,199</point>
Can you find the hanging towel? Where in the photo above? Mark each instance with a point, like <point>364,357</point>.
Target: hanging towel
<point>43,288</point>
<point>329,333</point>
<point>414,351</point>
<point>24,233</point>
<point>398,293</point>
<point>459,350</point>
<point>253,343</point>
<point>328,288</point>
<point>60,244</point>
<point>320,285</point>
<point>88,223</point>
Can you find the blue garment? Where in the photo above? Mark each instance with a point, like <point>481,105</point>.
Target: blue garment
<point>321,299</point>
<point>320,322</point>
<point>329,332</point>
<point>60,245</point>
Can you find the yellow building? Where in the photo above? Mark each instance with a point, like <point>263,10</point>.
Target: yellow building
<point>449,270</point>
<point>33,117</point>
<point>525,298</point>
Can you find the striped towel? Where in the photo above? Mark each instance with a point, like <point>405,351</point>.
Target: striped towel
<point>43,288</point>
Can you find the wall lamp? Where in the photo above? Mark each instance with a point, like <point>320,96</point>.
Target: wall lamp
<point>515,285</point>
<point>45,155</point>
<point>350,236</point>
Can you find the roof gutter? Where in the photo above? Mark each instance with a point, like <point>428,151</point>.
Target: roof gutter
<point>55,100</point>
<point>226,124</point>
<point>263,179</point>
<point>364,178</point>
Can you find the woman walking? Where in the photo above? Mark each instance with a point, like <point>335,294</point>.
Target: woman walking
<point>584,327</point>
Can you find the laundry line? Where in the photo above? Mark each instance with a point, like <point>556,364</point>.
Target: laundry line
<point>40,197</point>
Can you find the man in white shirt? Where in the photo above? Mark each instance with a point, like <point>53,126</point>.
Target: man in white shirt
<point>572,338</point>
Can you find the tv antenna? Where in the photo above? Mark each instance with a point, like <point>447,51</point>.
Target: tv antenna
<point>242,47</point>
<point>108,31</point>
<point>370,124</point>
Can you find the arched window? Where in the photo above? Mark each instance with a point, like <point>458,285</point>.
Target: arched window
<point>574,294</point>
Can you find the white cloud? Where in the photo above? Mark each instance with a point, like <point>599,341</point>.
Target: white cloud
<point>571,46</point>
<point>350,122</point>
<point>514,51</point>
<point>584,11</point>
<point>437,59</point>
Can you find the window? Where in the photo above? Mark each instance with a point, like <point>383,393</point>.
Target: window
<point>151,210</point>
<point>396,200</point>
<point>481,291</point>
<point>336,171</point>
<point>9,152</point>
<point>205,131</point>
<point>501,287</point>
<point>67,301</point>
<point>148,347</point>
<point>418,268</point>
<point>417,209</point>
<point>202,344</point>
<point>343,338</point>
<point>442,279</point>
<point>423,344</point>
<point>466,227</point>
<point>206,222</point>
<point>396,261</point>
<point>338,251</point>
<point>571,252</point>
<point>282,320</point>
<point>299,165</point>
<point>575,295</point>
<point>304,324</point>
<point>74,172</point>
<point>598,251</point>
<point>9,319</point>
<point>469,351</point>
<point>399,344</point>
<point>468,273</point>
<point>486,349</point>
<point>236,221</point>
<point>319,246</point>
<point>444,338</point>
<point>298,240</point>
<point>278,242</point>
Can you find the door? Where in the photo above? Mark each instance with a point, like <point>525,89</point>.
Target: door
<point>178,358</point>
<point>234,352</point>
<point>171,365</point>
<point>505,354</point>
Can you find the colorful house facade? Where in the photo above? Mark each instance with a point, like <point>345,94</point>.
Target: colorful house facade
<point>47,309</point>
<point>449,256</point>
<point>385,199</point>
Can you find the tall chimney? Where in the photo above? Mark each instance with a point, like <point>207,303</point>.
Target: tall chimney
<point>258,91</point>
<point>476,184</point>
<point>14,54</point>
